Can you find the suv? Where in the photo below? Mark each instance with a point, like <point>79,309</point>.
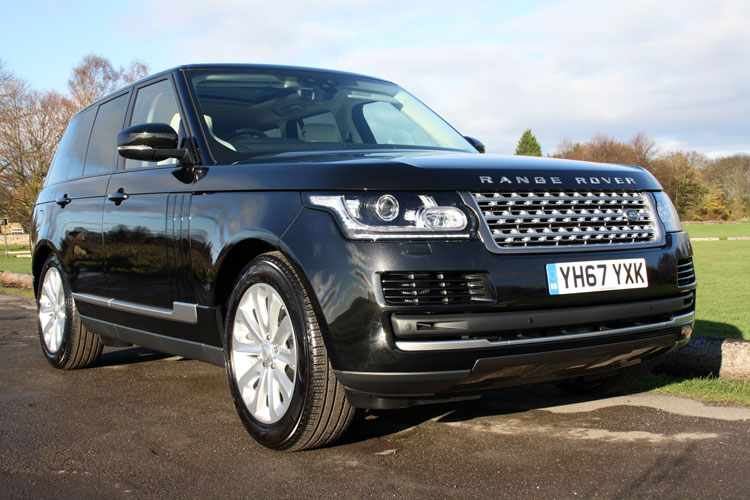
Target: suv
<point>334,244</point>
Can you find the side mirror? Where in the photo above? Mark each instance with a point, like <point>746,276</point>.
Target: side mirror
<point>478,145</point>
<point>151,142</point>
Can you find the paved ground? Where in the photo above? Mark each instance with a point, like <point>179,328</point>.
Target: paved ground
<point>144,425</point>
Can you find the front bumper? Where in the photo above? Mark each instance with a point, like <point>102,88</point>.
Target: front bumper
<point>521,335</point>
<point>398,390</point>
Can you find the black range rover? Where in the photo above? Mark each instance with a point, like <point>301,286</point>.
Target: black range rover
<point>335,244</point>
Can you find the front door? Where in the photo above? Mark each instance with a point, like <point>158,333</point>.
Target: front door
<point>146,218</point>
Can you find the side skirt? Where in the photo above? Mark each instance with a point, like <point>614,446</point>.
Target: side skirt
<point>162,343</point>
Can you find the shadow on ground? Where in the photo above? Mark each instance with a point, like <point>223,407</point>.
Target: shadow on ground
<point>369,424</point>
<point>706,355</point>
<point>129,356</point>
<point>715,329</point>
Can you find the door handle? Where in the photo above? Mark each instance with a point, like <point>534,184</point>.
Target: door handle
<point>63,200</point>
<point>118,197</point>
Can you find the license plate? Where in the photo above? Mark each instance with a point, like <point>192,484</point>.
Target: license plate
<point>596,276</point>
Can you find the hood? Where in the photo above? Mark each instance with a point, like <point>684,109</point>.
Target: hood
<point>421,171</point>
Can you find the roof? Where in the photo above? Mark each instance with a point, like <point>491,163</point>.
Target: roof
<point>231,66</point>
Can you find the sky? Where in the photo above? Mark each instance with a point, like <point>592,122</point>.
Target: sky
<point>677,70</point>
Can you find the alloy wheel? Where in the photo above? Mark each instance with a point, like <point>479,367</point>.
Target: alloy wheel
<point>52,310</point>
<point>264,353</point>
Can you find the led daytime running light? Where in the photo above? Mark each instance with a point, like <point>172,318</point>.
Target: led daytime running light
<point>431,221</point>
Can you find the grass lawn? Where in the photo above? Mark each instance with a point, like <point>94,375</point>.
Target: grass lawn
<point>717,229</point>
<point>722,310</point>
<point>15,291</point>
<point>714,390</point>
<point>12,248</point>
<point>723,299</point>
<point>15,264</point>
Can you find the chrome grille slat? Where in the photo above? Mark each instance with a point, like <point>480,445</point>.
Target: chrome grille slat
<point>437,288</point>
<point>685,272</point>
<point>425,280</point>
<point>566,218</point>
<point>559,218</point>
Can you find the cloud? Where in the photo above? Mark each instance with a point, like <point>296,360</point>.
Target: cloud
<point>677,70</point>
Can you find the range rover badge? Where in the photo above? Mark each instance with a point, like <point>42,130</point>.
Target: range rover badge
<point>632,215</point>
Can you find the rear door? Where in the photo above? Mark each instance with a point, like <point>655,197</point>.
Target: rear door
<point>89,157</point>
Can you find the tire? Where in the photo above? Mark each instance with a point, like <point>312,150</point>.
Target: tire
<point>623,381</point>
<point>66,343</point>
<point>280,377</point>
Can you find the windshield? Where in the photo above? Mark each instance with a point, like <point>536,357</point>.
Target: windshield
<point>255,111</point>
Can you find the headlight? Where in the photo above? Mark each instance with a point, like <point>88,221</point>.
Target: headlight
<point>667,212</point>
<point>377,216</point>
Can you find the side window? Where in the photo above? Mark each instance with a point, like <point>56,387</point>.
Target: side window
<point>155,103</point>
<point>103,143</point>
<point>390,126</point>
<point>68,160</point>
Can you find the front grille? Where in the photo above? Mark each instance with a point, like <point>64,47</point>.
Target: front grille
<point>685,272</point>
<point>435,287</point>
<point>555,219</point>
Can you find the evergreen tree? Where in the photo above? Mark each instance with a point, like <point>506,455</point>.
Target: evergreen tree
<point>528,145</point>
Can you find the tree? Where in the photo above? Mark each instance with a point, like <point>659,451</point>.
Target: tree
<point>95,77</point>
<point>606,149</point>
<point>712,204</point>
<point>528,145</point>
<point>569,150</point>
<point>732,175</point>
<point>643,149</point>
<point>31,124</point>
<point>677,173</point>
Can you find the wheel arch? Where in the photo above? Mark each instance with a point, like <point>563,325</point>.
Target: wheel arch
<point>230,266</point>
<point>41,253</point>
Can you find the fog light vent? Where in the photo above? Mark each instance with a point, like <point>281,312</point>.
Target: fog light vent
<point>435,287</point>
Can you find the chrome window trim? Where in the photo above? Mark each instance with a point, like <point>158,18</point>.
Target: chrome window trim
<point>450,345</point>
<point>181,311</point>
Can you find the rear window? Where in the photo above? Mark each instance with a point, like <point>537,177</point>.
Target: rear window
<point>103,144</point>
<point>68,160</point>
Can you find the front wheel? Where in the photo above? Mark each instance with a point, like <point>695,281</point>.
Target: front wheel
<point>281,381</point>
<point>66,343</point>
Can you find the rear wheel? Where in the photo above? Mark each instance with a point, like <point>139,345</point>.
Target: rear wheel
<point>624,380</point>
<point>281,381</point>
<point>66,343</point>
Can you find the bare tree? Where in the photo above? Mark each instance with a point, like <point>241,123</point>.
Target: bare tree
<point>95,77</point>
<point>134,72</point>
<point>4,77</point>
<point>607,149</point>
<point>31,124</point>
<point>568,149</point>
<point>644,149</point>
